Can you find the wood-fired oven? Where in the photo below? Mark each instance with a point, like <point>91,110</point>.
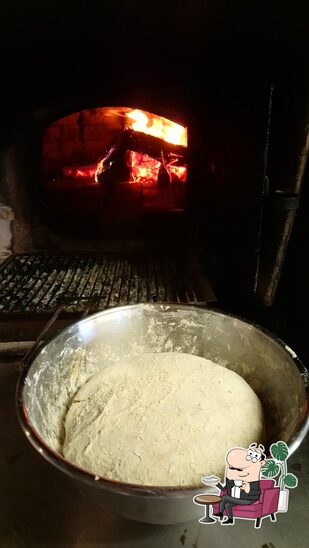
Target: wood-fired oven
<point>147,166</point>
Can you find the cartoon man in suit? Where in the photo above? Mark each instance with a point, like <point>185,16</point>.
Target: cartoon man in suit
<point>243,469</point>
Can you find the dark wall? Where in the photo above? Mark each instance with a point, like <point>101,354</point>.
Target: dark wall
<point>57,52</point>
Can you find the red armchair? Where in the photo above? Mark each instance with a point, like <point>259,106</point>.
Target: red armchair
<point>267,505</point>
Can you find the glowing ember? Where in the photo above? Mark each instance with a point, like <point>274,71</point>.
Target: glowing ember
<point>177,172</point>
<point>145,169</point>
<point>157,126</point>
<point>83,172</point>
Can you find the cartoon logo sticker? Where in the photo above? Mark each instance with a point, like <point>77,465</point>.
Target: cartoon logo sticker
<point>246,494</point>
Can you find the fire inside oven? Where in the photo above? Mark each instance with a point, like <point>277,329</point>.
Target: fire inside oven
<point>101,166</point>
<point>115,155</point>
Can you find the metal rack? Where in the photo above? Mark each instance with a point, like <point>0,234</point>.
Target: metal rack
<point>40,283</point>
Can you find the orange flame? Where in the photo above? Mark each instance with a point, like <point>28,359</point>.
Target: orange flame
<point>157,126</point>
<point>99,169</point>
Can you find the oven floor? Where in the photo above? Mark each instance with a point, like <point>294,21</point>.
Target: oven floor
<point>40,508</point>
<point>32,283</point>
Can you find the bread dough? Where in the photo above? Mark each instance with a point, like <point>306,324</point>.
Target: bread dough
<point>164,419</point>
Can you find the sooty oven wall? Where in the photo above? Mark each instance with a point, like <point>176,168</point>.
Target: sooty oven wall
<point>205,68</point>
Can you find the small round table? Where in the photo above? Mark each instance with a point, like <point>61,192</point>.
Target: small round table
<point>206,500</point>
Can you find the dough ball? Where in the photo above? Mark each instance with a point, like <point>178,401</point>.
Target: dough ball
<point>164,419</point>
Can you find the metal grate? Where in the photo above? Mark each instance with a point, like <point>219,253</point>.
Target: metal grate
<point>39,283</point>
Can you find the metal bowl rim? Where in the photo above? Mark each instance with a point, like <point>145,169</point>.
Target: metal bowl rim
<point>145,490</point>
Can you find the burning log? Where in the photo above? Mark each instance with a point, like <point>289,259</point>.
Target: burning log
<point>114,166</point>
<point>152,146</point>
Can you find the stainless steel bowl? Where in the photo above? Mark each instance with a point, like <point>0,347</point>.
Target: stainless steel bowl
<point>53,376</point>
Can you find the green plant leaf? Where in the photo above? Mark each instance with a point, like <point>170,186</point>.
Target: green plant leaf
<point>279,451</point>
<point>290,481</point>
<point>271,469</point>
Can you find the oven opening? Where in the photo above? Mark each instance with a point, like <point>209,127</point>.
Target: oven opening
<point>126,204</point>
<point>109,222</point>
<point>114,170</point>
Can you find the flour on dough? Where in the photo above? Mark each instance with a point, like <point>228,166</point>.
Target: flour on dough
<point>163,419</point>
